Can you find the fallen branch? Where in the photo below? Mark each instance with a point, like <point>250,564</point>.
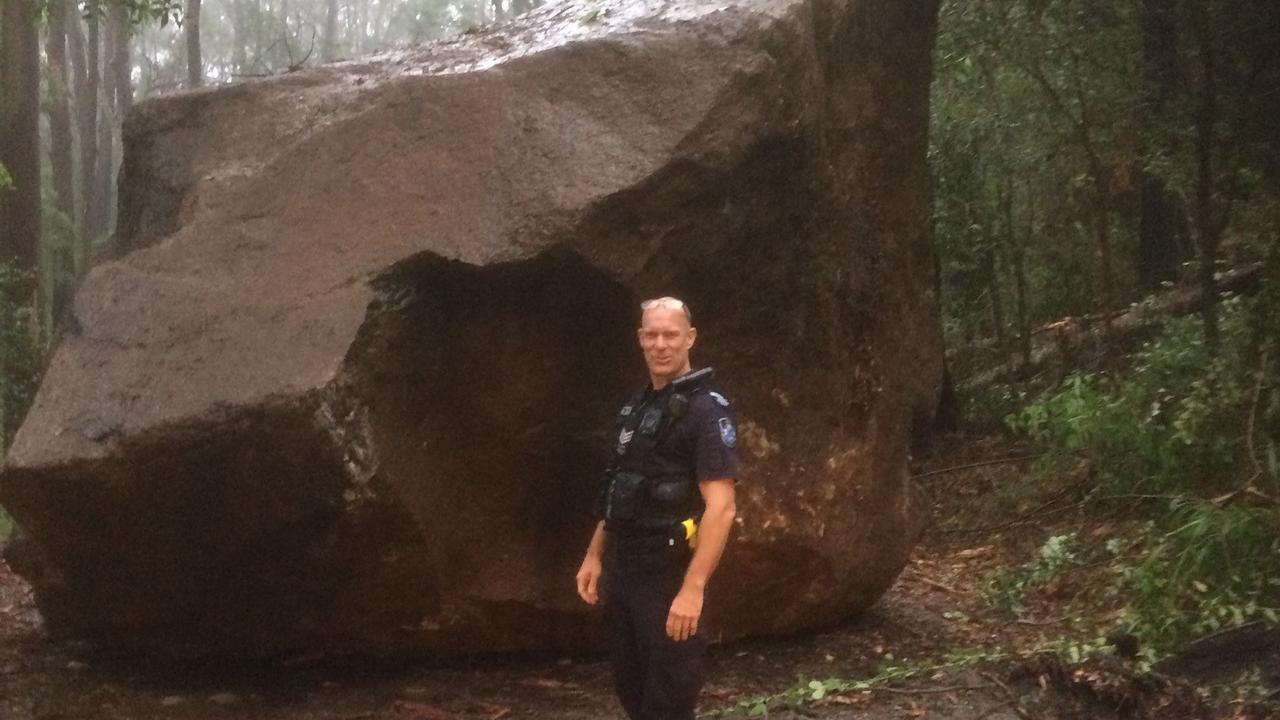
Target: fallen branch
<point>940,586</point>
<point>1045,508</point>
<point>933,690</point>
<point>999,461</point>
<point>1057,342</point>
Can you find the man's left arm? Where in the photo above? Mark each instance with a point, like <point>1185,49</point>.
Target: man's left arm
<point>713,534</point>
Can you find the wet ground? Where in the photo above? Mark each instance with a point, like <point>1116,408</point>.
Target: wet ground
<point>934,610</point>
<point>43,679</point>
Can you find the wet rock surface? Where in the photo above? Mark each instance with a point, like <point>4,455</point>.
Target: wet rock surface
<point>347,385</point>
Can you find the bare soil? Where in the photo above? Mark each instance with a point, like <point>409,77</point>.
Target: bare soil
<point>985,519</point>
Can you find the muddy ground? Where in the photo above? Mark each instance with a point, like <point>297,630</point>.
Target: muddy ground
<point>985,520</point>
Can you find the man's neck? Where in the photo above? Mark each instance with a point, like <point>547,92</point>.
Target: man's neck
<point>659,382</point>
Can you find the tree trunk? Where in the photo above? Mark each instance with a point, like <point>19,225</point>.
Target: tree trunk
<point>240,42</point>
<point>117,98</point>
<point>121,66</point>
<point>82,123</point>
<point>191,23</point>
<point>106,121</point>
<point>1102,239</point>
<point>20,143</point>
<point>994,301</point>
<point>329,50</point>
<point>1159,250</point>
<point>994,304</point>
<point>88,109</point>
<point>1206,221</point>
<point>61,161</point>
<point>1017,257</point>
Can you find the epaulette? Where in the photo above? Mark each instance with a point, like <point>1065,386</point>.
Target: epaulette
<point>684,386</point>
<point>692,381</point>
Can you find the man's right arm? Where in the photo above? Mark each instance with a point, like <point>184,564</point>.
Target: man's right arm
<point>589,572</point>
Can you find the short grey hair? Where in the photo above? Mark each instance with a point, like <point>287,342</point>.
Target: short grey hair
<point>667,301</point>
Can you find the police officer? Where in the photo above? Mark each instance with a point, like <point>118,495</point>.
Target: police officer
<point>665,510</point>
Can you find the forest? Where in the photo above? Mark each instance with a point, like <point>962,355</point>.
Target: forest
<point>1103,472</point>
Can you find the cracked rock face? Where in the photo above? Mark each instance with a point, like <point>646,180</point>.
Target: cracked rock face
<point>347,388</point>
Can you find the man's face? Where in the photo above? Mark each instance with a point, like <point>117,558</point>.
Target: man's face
<point>665,338</point>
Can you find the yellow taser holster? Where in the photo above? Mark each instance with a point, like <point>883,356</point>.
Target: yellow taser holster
<point>691,532</point>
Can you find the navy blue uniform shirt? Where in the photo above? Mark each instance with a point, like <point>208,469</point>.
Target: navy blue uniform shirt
<point>705,439</point>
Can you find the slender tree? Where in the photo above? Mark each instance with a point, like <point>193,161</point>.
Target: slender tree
<point>1159,250</point>
<point>107,112</point>
<point>61,160</point>
<point>87,109</point>
<point>20,142</point>
<point>191,24</point>
<point>1208,230</point>
<point>240,38</point>
<point>329,51</point>
<point>83,121</point>
<point>120,65</point>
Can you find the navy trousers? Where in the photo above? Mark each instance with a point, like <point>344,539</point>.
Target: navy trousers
<point>656,678</point>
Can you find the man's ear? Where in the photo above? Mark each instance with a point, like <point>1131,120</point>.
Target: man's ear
<point>693,336</point>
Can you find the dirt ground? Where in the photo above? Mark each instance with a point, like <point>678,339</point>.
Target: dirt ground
<point>934,609</point>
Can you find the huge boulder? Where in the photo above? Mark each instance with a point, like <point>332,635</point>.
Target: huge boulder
<point>347,386</point>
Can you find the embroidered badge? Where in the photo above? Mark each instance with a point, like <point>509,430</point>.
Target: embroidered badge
<point>727,433</point>
<point>720,399</point>
<point>626,410</point>
<point>649,423</point>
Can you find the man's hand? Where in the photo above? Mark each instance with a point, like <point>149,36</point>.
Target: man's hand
<point>589,573</point>
<point>686,609</point>
<point>589,579</point>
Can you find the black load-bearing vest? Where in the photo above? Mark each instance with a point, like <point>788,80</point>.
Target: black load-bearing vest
<point>642,489</point>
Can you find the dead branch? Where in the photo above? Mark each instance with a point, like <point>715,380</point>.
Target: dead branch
<point>984,463</point>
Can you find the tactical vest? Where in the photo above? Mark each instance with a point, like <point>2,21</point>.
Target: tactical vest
<point>643,491</point>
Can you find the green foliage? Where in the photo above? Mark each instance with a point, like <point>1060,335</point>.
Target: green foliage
<point>6,180</point>
<point>812,690</point>
<point>1196,434</point>
<point>1029,102</point>
<point>1219,567</point>
<point>19,356</point>
<point>1061,129</point>
<point>806,690</point>
<point>1008,588</point>
<point>140,12</point>
<point>6,526</point>
<point>1173,422</point>
<point>59,239</point>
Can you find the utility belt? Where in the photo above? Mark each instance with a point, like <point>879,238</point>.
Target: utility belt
<point>653,545</point>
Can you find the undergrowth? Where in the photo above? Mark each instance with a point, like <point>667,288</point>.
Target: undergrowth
<point>1188,439</point>
<point>19,355</point>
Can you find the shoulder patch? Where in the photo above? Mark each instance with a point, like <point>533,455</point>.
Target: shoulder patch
<point>720,399</point>
<point>727,433</point>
